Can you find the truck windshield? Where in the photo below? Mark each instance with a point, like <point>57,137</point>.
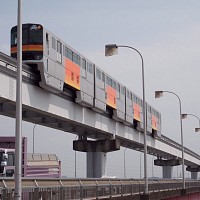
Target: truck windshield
<point>11,159</point>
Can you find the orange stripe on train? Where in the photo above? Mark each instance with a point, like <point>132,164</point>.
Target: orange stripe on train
<point>136,109</point>
<point>154,123</point>
<point>28,48</point>
<point>111,97</point>
<point>72,74</point>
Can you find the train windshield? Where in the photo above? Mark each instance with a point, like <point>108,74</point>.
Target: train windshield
<point>32,42</point>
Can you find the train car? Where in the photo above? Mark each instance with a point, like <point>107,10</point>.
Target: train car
<point>60,67</point>
<point>138,112</point>
<point>43,51</point>
<point>153,121</point>
<point>115,95</point>
<point>99,91</point>
<point>156,123</point>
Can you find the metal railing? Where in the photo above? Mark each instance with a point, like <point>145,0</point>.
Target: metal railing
<point>65,189</point>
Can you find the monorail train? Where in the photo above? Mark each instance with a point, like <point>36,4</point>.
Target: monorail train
<point>61,66</point>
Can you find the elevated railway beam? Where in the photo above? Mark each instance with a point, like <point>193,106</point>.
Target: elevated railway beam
<point>60,112</point>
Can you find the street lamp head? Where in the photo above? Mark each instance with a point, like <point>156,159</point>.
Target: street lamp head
<point>183,116</point>
<point>197,129</point>
<point>158,94</point>
<point>111,49</point>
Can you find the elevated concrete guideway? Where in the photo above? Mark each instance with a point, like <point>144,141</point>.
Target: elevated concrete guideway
<point>48,109</point>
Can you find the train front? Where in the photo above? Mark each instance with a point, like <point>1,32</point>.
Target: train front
<point>32,42</point>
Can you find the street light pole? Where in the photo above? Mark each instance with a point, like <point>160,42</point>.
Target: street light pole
<point>125,162</point>
<point>185,116</point>
<point>110,50</point>
<point>152,167</point>
<point>159,94</point>
<point>75,160</point>
<point>34,138</point>
<point>18,127</point>
<point>140,165</point>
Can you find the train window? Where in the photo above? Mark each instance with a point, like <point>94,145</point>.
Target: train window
<point>59,51</point>
<point>14,38</point>
<point>47,38</point>
<point>84,64</point>
<point>68,53</point>
<point>122,90</point>
<point>156,113</point>
<point>25,36</point>
<point>76,58</point>
<point>90,68</point>
<point>109,81</point>
<point>84,68</point>
<point>103,77</point>
<point>47,43</point>
<point>65,51</point>
<point>53,43</point>
<point>131,96</point>
<point>98,74</point>
<point>118,87</point>
<point>128,94</point>
<point>114,84</point>
<point>59,47</point>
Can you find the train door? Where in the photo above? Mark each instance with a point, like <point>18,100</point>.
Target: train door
<point>99,91</point>
<point>129,107</point>
<point>119,113</point>
<point>137,112</point>
<point>85,96</point>
<point>110,92</point>
<point>156,128</point>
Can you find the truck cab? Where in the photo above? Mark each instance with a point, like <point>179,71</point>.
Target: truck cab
<point>7,162</point>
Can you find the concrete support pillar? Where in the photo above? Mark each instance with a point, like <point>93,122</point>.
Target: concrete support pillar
<point>96,164</point>
<point>167,172</point>
<point>167,166</point>
<point>96,154</point>
<point>194,171</point>
<point>194,175</point>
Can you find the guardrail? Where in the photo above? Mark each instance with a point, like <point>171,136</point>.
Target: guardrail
<point>65,189</point>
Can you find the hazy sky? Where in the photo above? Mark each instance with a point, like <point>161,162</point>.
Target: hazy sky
<point>167,33</point>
